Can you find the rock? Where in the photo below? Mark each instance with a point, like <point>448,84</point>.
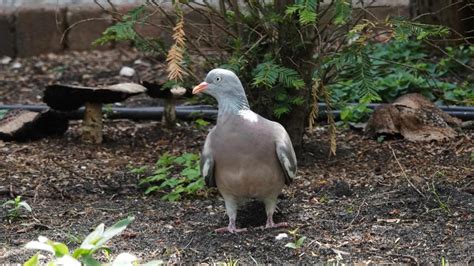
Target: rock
<point>414,117</point>
<point>281,236</point>
<point>5,60</point>
<point>23,125</point>
<point>127,71</point>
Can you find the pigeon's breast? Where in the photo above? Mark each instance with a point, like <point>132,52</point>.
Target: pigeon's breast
<point>246,164</point>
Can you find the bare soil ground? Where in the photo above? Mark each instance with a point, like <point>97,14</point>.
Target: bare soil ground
<point>388,202</point>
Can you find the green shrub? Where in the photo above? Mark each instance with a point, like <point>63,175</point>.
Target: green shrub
<point>401,67</point>
<point>176,176</point>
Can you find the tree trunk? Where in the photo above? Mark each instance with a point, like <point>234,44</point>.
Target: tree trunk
<point>458,15</point>
<point>295,121</point>
<point>92,124</point>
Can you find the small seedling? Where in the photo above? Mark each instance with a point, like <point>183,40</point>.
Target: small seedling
<point>298,240</point>
<point>380,138</point>
<point>15,208</point>
<point>228,262</point>
<point>201,123</point>
<point>444,206</point>
<point>83,255</point>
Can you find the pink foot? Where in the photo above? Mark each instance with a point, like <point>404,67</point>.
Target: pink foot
<point>276,225</point>
<point>230,229</point>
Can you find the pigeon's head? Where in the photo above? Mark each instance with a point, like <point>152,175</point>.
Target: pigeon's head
<point>222,84</point>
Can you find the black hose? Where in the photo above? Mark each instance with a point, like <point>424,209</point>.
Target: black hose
<point>186,112</point>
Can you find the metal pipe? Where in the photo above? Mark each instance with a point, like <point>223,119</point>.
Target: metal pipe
<point>185,112</point>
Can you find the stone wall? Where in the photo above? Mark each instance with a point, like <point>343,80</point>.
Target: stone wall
<point>28,29</point>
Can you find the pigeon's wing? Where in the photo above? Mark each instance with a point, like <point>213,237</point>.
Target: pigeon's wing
<point>286,155</point>
<point>207,163</point>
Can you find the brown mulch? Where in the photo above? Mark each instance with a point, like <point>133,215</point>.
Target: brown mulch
<point>387,202</point>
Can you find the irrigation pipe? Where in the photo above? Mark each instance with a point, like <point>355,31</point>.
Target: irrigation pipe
<point>186,112</point>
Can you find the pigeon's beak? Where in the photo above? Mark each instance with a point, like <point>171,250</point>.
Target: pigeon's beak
<point>200,88</point>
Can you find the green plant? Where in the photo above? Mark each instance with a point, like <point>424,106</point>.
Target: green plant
<point>442,205</point>
<point>401,67</point>
<point>176,176</point>
<point>287,53</point>
<point>200,123</point>
<point>94,242</point>
<point>298,240</point>
<point>15,206</point>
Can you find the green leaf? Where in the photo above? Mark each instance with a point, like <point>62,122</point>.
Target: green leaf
<point>165,160</point>
<point>33,261</point>
<point>342,11</point>
<point>88,260</point>
<point>279,111</point>
<point>151,189</point>
<point>115,229</point>
<point>171,196</point>
<point>25,205</point>
<point>91,240</point>
<point>40,245</point>
<point>60,249</point>
<point>201,122</point>
<point>291,245</point>
<point>300,241</point>
<point>139,170</point>
<point>307,16</point>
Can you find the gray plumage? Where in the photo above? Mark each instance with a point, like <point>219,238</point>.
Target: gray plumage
<point>245,155</point>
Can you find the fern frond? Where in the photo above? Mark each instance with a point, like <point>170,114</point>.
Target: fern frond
<point>268,74</point>
<point>365,76</point>
<point>175,58</point>
<point>342,11</point>
<point>403,29</point>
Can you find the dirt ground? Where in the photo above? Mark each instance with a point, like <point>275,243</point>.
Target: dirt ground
<point>388,202</point>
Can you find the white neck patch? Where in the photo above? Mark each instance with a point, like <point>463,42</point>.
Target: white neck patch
<point>248,115</point>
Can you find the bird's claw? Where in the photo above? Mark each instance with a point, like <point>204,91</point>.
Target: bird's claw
<point>232,230</point>
<point>274,225</point>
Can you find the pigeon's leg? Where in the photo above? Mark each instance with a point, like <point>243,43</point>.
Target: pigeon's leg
<point>231,209</point>
<point>270,206</point>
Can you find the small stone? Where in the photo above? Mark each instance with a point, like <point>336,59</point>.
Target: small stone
<point>281,236</point>
<point>5,60</point>
<point>127,71</point>
<point>16,65</point>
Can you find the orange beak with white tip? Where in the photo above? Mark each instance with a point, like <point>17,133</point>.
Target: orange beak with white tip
<point>200,88</point>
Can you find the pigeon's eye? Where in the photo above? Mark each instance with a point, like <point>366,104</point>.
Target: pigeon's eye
<point>218,79</point>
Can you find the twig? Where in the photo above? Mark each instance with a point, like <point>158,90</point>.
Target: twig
<point>63,36</point>
<point>445,53</point>
<point>403,172</point>
<point>356,216</point>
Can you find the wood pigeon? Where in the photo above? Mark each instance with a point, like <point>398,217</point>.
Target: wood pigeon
<point>245,155</point>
